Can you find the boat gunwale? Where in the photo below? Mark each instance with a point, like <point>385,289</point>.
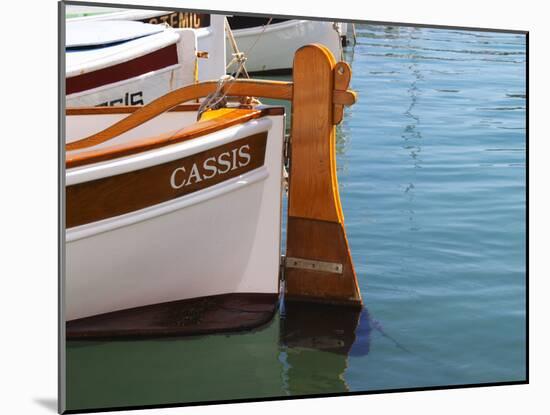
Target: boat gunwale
<point>238,115</point>
<point>123,109</point>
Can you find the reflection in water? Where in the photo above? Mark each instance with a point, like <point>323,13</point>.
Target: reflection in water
<point>304,350</point>
<point>411,134</point>
<point>318,326</point>
<point>315,342</point>
<point>341,140</point>
<point>172,370</point>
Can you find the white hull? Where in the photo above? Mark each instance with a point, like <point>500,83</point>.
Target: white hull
<point>221,239</point>
<point>273,48</point>
<point>145,87</point>
<point>136,89</point>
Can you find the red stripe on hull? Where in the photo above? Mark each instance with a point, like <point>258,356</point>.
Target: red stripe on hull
<point>154,61</point>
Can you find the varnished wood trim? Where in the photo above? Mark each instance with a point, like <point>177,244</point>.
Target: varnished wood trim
<point>204,315</point>
<point>344,97</point>
<point>342,77</point>
<point>153,61</point>
<point>269,110</point>
<point>240,87</point>
<point>313,163</point>
<point>128,192</point>
<point>237,116</point>
<point>315,227</point>
<point>128,109</point>
<point>323,241</point>
<point>123,109</point>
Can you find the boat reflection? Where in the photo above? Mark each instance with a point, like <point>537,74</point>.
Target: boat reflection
<point>315,342</point>
<point>303,350</point>
<point>320,327</point>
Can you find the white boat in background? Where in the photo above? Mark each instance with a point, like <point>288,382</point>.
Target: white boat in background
<point>126,63</point>
<point>269,44</point>
<point>209,31</point>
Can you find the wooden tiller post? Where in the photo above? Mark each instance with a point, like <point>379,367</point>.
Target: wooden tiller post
<point>318,264</point>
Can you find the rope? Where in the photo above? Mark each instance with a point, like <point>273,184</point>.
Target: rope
<point>259,36</point>
<point>217,99</point>
<point>238,56</point>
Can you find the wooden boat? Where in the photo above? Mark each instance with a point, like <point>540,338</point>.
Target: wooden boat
<point>129,62</point>
<point>173,225</point>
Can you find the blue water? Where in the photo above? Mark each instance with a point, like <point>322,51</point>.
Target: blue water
<point>431,164</point>
<point>433,184</point>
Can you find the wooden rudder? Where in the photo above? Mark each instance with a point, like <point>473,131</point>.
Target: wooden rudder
<point>319,266</point>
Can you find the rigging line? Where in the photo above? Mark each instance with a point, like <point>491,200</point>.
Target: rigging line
<point>259,36</point>
<point>238,56</point>
<point>216,99</point>
<point>225,82</point>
